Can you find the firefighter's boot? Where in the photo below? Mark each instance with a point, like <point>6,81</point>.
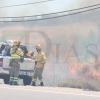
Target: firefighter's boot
<point>15,83</point>
<point>33,84</point>
<point>11,82</point>
<point>41,84</point>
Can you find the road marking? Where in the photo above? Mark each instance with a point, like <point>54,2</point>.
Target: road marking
<point>76,94</point>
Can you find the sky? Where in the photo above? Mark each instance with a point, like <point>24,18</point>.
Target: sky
<point>41,8</point>
<point>47,7</point>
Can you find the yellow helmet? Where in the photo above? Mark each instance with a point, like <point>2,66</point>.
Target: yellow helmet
<point>16,42</point>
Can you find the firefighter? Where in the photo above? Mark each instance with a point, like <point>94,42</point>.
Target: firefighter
<point>40,60</point>
<point>16,54</point>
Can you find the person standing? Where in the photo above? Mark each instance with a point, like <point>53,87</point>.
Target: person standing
<point>40,60</point>
<point>16,54</point>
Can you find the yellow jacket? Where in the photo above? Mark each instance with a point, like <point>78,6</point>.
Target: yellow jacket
<point>16,53</point>
<point>39,57</point>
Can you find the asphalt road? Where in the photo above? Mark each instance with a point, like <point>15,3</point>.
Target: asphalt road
<point>20,92</point>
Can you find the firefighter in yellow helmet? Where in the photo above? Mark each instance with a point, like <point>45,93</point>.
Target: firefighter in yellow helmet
<point>16,54</point>
<point>40,60</point>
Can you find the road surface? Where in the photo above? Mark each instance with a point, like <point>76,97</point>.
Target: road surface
<point>20,92</point>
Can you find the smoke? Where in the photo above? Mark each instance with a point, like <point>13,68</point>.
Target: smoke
<point>32,9</point>
<point>65,31</point>
<point>92,15</point>
<point>89,2</point>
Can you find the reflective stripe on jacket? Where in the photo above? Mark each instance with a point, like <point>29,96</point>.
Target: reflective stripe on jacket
<point>17,53</point>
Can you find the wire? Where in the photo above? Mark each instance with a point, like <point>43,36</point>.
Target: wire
<point>55,16</point>
<point>26,4</point>
<point>54,13</point>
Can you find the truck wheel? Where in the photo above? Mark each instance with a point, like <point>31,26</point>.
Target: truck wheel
<point>6,80</point>
<point>27,80</point>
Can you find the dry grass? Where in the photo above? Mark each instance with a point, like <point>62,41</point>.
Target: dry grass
<point>89,77</point>
<point>80,83</point>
